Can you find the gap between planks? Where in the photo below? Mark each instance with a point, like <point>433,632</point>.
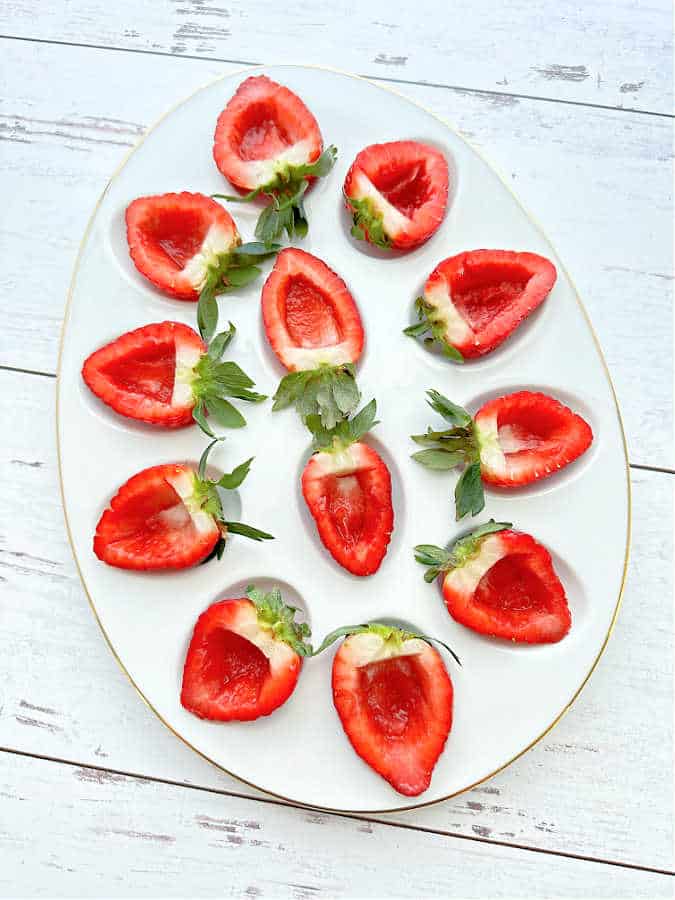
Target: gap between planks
<point>376,78</point>
<point>356,818</point>
<point>20,371</point>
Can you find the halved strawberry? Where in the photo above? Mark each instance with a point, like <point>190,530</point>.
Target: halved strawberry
<point>314,327</point>
<point>347,488</point>
<point>186,243</point>
<point>475,300</point>
<point>513,440</point>
<point>244,658</point>
<point>163,374</point>
<point>502,583</point>
<point>169,517</point>
<point>397,193</point>
<point>393,695</point>
<point>267,142</point>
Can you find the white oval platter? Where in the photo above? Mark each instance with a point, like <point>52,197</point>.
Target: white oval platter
<point>506,696</point>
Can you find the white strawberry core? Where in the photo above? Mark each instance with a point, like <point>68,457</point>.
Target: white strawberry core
<point>457,330</point>
<point>184,485</point>
<point>301,358</point>
<point>466,578</point>
<point>490,445</point>
<point>371,647</point>
<point>217,242</point>
<point>279,654</point>
<point>262,171</point>
<point>392,219</point>
<point>187,357</point>
<point>338,462</point>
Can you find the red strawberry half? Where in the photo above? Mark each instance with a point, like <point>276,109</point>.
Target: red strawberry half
<point>163,374</point>
<point>347,488</point>
<point>187,245</point>
<point>169,517</point>
<point>393,695</point>
<point>511,441</point>
<point>268,143</point>
<point>244,658</point>
<point>314,327</point>
<point>501,583</point>
<point>474,301</point>
<point>397,193</point>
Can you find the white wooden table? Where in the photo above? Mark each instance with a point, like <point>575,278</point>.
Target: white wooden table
<point>573,103</point>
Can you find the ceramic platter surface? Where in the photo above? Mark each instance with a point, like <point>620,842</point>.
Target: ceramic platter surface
<point>506,696</point>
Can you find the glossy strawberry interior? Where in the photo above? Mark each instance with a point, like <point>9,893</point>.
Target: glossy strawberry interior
<point>232,667</point>
<point>310,315</point>
<point>405,185</point>
<point>259,134</point>
<point>153,522</point>
<point>148,370</point>
<point>480,293</point>
<point>511,586</point>
<point>346,504</point>
<point>394,695</point>
<point>525,428</point>
<point>176,234</point>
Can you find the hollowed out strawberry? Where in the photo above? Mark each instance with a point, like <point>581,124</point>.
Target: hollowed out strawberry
<point>397,193</point>
<point>473,301</point>
<point>394,698</point>
<point>512,441</point>
<point>163,374</point>
<point>268,143</point>
<point>169,517</point>
<point>501,583</point>
<point>314,327</point>
<point>176,239</point>
<point>244,658</point>
<point>347,487</point>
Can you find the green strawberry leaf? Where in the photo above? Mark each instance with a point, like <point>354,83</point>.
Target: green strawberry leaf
<point>275,615</point>
<point>256,248</point>
<point>239,198</point>
<point>220,342</point>
<point>345,390</point>
<point>231,481</point>
<point>417,330</point>
<point>224,413</point>
<point>454,414</point>
<point>200,418</point>
<point>363,421</point>
<point>255,534</point>
<point>469,495</point>
<point>207,313</point>
<point>439,459</point>
<point>240,277</point>
<point>203,459</point>
<point>290,388</point>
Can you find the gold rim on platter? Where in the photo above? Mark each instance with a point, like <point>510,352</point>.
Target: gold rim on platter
<point>251,70</point>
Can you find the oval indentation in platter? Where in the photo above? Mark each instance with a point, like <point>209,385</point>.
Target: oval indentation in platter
<point>397,498</point>
<point>572,470</point>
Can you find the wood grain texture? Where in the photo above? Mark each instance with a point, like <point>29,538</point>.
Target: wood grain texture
<point>614,52</point>
<point>69,831</point>
<point>599,785</point>
<point>598,180</point>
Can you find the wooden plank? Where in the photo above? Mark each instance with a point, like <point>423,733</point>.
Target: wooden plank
<point>610,53</point>
<point>583,172</point>
<point>71,831</point>
<point>599,785</point>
